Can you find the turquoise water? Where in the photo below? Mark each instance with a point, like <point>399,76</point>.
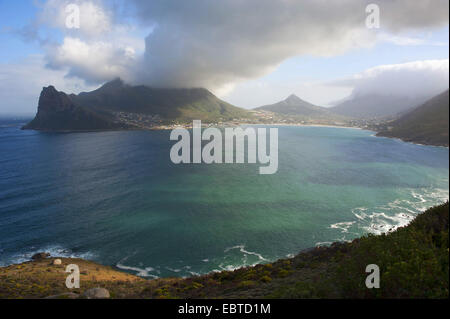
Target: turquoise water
<point>115,197</point>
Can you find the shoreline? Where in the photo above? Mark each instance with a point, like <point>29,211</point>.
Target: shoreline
<point>311,273</point>
<point>189,126</point>
<point>124,270</point>
<point>409,141</point>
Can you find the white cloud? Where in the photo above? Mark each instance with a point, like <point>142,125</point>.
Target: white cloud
<point>22,81</point>
<point>100,50</point>
<point>408,40</point>
<point>412,79</point>
<point>213,44</point>
<point>95,61</point>
<point>203,43</point>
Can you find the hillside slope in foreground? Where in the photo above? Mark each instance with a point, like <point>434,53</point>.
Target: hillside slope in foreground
<point>413,262</point>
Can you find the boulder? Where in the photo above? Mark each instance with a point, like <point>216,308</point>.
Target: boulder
<point>40,256</point>
<point>96,293</point>
<point>57,262</point>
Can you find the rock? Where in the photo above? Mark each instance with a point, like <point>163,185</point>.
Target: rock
<point>40,256</point>
<point>96,293</point>
<point>57,262</point>
<point>67,295</point>
<point>57,111</point>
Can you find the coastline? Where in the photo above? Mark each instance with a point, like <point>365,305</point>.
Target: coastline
<point>189,126</point>
<point>411,141</point>
<point>312,273</point>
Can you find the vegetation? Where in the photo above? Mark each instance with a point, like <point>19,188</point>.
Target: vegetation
<point>427,124</point>
<point>183,105</point>
<point>413,262</point>
<point>97,110</point>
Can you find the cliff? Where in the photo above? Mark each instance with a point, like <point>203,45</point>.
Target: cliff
<point>58,112</point>
<point>117,105</point>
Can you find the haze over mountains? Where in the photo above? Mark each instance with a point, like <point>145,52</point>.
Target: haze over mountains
<point>376,106</point>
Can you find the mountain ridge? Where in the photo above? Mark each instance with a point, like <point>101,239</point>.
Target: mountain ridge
<point>426,124</point>
<point>58,112</point>
<point>376,106</point>
<point>117,105</point>
<point>295,106</point>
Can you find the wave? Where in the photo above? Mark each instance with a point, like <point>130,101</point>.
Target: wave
<point>321,243</point>
<point>389,217</point>
<point>226,262</point>
<point>53,250</point>
<point>245,252</point>
<point>141,272</point>
<point>344,226</point>
<point>244,261</point>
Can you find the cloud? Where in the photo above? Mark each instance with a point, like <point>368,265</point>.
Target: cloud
<point>102,48</point>
<point>408,40</point>
<point>95,62</point>
<point>215,44</point>
<point>413,79</point>
<point>32,75</point>
<point>203,43</point>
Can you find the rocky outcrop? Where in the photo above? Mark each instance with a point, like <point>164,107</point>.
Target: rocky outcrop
<point>96,293</point>
<point>116,106</point>
<point>40,256</point>
<point>57,262</point>
<point>58,112</point>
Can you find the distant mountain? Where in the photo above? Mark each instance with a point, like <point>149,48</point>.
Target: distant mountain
<point>426,124</point>
<point>373,106</point>
<point>295,106</point>
<point>115,103</point>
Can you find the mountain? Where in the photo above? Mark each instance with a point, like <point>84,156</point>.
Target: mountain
<point>375,106</point>
<point>58,112</point>
<point>117,105</point>
<point>426,124</point>
<point>295,106</point>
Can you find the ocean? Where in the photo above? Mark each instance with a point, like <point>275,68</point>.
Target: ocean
<point>117,199</point>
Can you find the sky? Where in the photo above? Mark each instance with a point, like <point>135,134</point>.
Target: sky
<point>247,52</point>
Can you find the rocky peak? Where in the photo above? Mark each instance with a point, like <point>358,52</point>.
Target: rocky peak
<point>52,100</point>
<point>113,85</point>
<point>293,99</point>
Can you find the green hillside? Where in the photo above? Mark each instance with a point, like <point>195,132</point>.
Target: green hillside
<point>117,105</point>
<point>183,105</point>
<point>427,124</point>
